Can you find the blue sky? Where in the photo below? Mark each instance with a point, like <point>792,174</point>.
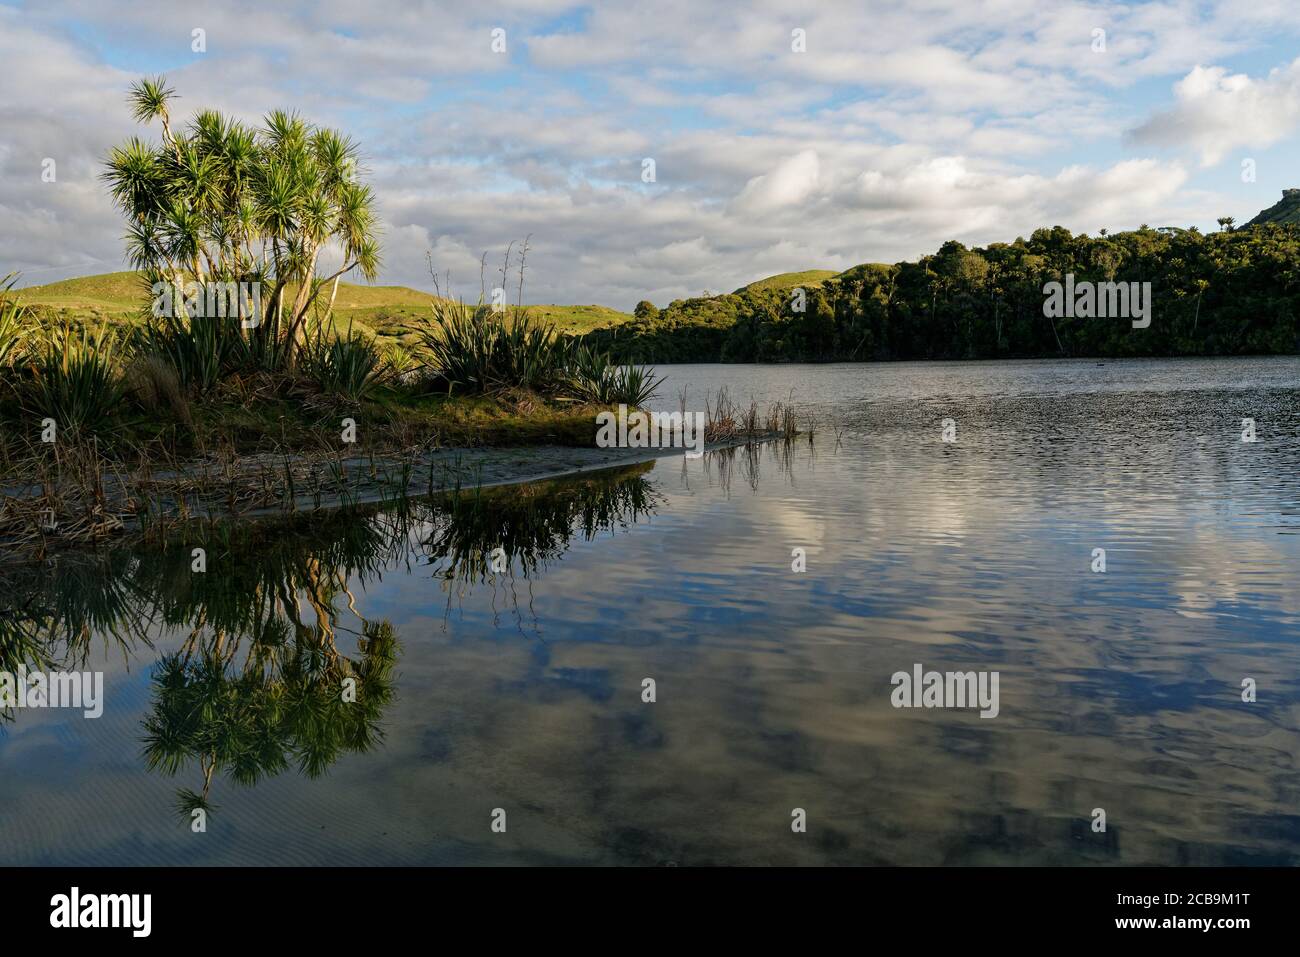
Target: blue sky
<point>897,127</point>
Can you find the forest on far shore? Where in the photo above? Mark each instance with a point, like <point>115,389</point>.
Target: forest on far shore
<point>1231,292</point>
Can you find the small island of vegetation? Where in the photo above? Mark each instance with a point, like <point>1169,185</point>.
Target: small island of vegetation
<point>190,382</point>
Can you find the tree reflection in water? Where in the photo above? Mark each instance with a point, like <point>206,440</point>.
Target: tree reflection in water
<point>274,666</point>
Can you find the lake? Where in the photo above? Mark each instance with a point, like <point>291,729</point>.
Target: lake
<point>1162,691</point>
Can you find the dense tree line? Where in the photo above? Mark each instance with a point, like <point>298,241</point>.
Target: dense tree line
<point>1231,292</point>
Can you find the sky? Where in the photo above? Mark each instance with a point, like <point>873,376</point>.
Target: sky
<point>783,135</point>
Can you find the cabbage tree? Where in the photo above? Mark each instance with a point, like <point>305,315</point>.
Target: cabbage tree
<point>219,201</point>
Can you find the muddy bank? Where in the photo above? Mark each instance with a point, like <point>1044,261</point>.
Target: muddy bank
<point>83,507</point>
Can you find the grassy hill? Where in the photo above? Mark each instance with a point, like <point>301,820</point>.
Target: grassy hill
<point>580,319</point>
<point>1285,210</point>
<point>381,310</point>
<point>788,280</point>
<point>113,294</point>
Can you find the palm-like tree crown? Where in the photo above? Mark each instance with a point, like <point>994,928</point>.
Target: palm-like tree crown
<point>219,200</point>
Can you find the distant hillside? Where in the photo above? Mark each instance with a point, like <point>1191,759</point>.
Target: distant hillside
<point>1229,292</point>
<point>788,280</point>
<point>382,310</point>
<point>1285,210</point>
<point>579,319</point>
<point>110,294</point>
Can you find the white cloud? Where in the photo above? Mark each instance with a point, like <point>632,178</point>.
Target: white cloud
<point>1218,112</point>
<point>792,182</point>
<point>905,124</point>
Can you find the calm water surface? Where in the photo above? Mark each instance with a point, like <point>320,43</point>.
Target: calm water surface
<point>523,690</point>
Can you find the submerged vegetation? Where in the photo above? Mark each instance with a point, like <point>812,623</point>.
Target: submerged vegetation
<point>1232,292</point>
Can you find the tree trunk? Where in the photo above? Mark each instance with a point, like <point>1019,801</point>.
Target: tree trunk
<point>300,308</point>
<point>334,291</point>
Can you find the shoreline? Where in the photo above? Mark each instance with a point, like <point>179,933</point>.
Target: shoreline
<point>258,487</point>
